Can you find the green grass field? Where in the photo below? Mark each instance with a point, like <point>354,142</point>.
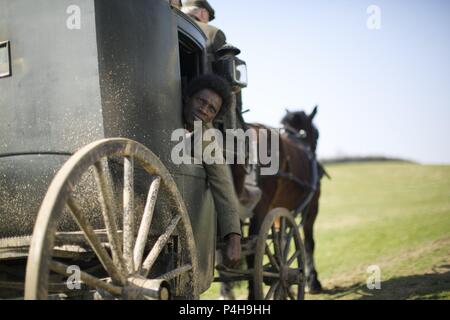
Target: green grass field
<point>393,215</point>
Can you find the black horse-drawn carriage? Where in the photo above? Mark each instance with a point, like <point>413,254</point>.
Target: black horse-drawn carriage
<point>78,202</point>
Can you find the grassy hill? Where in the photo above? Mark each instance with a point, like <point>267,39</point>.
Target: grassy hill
<point>393,215</point>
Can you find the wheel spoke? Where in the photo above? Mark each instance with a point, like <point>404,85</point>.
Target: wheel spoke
<point>103,177</point>
<point>175,273</point>
<point>287,245</point>
<point>94,242</point>
<point>272,275</point>
<point>272,290</point>
<point>128,213</point>
<point>91,281</point>
<point>144,228</point>
<point>282,234</point>
<point>294,256</point>
<point>272,259</point>
<point>159,245</point>
<point>276,244</point>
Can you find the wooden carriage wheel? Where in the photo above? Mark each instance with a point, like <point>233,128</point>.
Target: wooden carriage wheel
<point>279,259</point>
<point>124,255</point>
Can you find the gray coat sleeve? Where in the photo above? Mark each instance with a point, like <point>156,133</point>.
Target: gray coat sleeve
<point>225,199</point>
<point>224,195</point>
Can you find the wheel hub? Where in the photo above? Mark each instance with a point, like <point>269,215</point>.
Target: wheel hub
<point>139,288</point>
<point>291,275</point>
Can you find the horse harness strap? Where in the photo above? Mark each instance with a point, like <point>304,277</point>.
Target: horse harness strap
<point>312,185</point>
<point>300,183</point>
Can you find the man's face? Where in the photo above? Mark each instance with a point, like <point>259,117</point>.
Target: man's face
<point>203,15</point>
<point>202,106</point>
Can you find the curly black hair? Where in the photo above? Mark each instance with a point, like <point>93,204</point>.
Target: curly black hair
<point>214,83</point>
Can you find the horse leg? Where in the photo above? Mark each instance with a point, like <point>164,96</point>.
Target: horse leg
<point>312,280</point>
<point>226,291</point>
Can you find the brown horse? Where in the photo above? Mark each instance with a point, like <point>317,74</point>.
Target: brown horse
<point>291,188</point>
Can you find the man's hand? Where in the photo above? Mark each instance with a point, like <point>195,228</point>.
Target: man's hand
<point>232,255</point>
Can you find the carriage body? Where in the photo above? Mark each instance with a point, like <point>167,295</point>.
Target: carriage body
<point>118,74</point>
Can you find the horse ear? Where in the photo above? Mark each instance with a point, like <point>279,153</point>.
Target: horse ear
<point>287,111</point>
<point>313,113</point>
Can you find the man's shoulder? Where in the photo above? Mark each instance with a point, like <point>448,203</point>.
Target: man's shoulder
<point>208,29</point>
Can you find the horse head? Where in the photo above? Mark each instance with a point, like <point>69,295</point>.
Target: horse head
<point>302,125</point>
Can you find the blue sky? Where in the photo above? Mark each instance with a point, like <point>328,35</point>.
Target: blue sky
<point>380,92</point>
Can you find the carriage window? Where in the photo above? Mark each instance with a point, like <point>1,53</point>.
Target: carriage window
<point>190,59</point>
